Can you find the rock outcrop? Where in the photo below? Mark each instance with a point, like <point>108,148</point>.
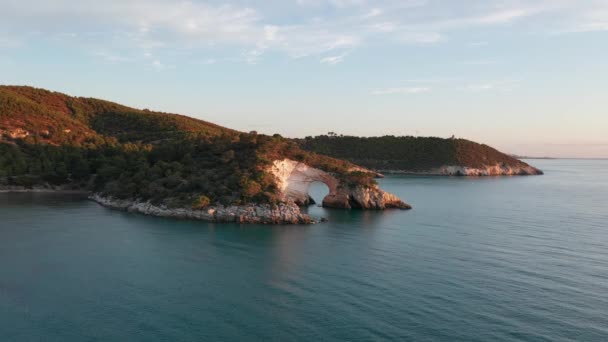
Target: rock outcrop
<point>294,180</point>
<point>364,198</point>
<point>17,133</point>
<point>284,213</point>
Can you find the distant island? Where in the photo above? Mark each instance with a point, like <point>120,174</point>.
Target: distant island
<point>167,164</point>
<point>532,157</point>
<point>419,155</point>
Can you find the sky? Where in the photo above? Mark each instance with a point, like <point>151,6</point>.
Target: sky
<point>528,77</point>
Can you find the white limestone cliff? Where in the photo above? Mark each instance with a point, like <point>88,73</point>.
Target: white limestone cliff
<point>294,180</point>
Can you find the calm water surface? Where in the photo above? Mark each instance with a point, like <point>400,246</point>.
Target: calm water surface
<point>495,259</point>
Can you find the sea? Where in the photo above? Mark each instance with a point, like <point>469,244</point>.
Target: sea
<point>477,259</point>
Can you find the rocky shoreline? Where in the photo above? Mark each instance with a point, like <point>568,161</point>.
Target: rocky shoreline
<point>283,213</point>
<point>496,170</point>
<point>252,213</point>
<point>42,189</point>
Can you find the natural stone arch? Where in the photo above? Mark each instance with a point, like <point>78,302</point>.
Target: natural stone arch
<point>317,192</point>
<point>294,180</point>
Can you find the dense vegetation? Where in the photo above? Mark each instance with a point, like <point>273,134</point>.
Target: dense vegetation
<point>407,153</point>
<point>48,138</point>
<point>60,119</point>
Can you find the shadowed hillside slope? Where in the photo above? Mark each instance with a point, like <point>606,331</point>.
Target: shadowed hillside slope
<point>58,118</point>
<point>426,155</point>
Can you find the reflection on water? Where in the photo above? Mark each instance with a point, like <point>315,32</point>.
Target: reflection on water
<point>509,259</point>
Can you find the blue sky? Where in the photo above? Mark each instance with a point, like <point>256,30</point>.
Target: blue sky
<point>528,77</point>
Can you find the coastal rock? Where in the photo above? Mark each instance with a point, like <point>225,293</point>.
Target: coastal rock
<point>490,170</point>
<point>294,180</point>
<point>284,213</point>
<point>364,198</point>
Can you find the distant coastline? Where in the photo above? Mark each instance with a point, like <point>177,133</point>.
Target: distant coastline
<point>419,155</point>
<point>533,158</point>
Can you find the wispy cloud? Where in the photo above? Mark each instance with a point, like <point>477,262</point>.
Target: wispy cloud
<point>252,56</point>
<point>333,60</point>
<point>208,61</point>
<point>157,65</point>
<point>404,90</point>
<point>588,22</point>
<point>296,29</point>
<point>481,87</point>
<point>111,57</point>
<point>504,85</point>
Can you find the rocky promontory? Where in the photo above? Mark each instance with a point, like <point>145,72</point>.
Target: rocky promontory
<point>169,165</point>
<point>293,181</point>
<point>283,213</point>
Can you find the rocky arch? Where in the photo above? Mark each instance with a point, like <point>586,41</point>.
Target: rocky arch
<point>294,180</point>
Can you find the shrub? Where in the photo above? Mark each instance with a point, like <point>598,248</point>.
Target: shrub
<point>201,202</point>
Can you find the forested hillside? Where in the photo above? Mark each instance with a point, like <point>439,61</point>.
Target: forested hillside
<point>58,118</point>
<point>48,138</point>
<point>408,153</point>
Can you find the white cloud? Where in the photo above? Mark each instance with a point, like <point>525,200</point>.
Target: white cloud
<point>374,12</point>
<point>589,21</point>
<point>252,56</point>
<point>160,66</point>
<point>297,29</point>
<point>405,90</point>
<point>504,16</point>
<point>504,85</point>
<point>333,60</point>
<point>111,57</point>
<point>481,87</point>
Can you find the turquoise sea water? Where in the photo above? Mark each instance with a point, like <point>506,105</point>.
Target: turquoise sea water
<point>492,259</point>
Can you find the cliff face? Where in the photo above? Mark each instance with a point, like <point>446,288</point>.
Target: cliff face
<point>294,180</point>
